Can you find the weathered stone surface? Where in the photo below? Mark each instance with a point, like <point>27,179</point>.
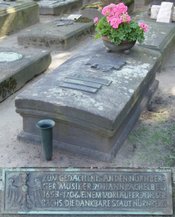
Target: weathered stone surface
<point>165,12</point>
<point>94,124</point>
<point>54,35</point>
<point>162,41</point>
<point>86,191</point>
<point>17,15</point>
<point>140,3</point>
<point>58,7</point>
<point>18,67</point>
<point>91,13</point>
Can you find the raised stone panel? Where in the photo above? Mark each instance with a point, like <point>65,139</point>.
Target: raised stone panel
<point>165,12</point>
<point>92,123</point>
<point>58,7</point>
<point>17,15</point>
<point>58,34</point>
<point>18,66</point>
<point>89,191</point>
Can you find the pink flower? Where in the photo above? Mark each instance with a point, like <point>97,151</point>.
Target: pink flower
<point>126,18</point>
<point>116,14</point>
<point>143,26</point>
<point>115,22</point>
<point>96,20</point>
<point>121,8</point>
<point>107,9</point>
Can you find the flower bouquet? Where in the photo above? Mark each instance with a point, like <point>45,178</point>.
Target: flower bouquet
<point>117,27</point>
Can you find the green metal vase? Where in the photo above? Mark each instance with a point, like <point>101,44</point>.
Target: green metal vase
<point>46,128</point>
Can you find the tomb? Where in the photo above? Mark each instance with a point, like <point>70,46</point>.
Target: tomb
<point>58,7</point>
<point>95,98</point>
<point>62,33</point>
<point>19,66</point>
<point>162,41</point>
<point>16,15</point>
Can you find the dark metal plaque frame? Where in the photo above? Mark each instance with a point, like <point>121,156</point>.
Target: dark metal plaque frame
<point>87,191</point>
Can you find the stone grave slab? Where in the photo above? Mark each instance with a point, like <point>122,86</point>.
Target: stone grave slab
<point>62,33</point>
<point>165,12</point>
<point>95,98</point>
<point>86,191</point>
<point>18,66</point>
<point>160,36</point>
<point>58,7</point>
<point>16,15</point>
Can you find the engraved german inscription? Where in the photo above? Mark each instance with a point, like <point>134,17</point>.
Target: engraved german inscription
<point>87,191</point>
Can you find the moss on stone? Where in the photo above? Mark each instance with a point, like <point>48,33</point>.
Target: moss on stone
<point>83,20</point>
<point>7,87</point>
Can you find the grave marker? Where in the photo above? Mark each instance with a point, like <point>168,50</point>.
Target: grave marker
<point>17,15</point>
<point>59,34</point>
<point>165,12</point>
<point>18,66</point>
<point>58,7</point>
<point>162,41</point>
<point>91,120</point>
<point>155,10</point>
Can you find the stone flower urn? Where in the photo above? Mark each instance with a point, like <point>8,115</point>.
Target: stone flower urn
<point>107,2</point>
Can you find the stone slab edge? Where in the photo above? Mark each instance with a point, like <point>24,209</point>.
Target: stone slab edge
<point>125,129</point>
<point>26,73</point>
<point>60,9</point>
<point>17,8</point>
<point>136,112</point>
<point>36,215</point>
<point>168,42</point>
<point>16,13</point>
<point>66,42</point>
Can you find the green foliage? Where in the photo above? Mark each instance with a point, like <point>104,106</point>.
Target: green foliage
<point>125,32</point>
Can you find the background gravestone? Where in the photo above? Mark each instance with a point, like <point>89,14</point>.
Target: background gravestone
<point>18,66</point>
<point>58,34</point>
<point>165,12</point>
<point>17,15</point>
<point>58,7</point>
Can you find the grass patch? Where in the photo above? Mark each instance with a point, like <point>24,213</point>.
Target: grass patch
<point>156,142</point>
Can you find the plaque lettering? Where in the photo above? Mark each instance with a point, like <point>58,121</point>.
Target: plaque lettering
<point>87,191</point>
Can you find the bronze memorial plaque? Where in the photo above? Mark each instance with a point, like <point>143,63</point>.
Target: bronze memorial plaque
<point>86,191</point>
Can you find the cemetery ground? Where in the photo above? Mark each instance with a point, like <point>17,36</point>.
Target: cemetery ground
<point>150,144</point>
